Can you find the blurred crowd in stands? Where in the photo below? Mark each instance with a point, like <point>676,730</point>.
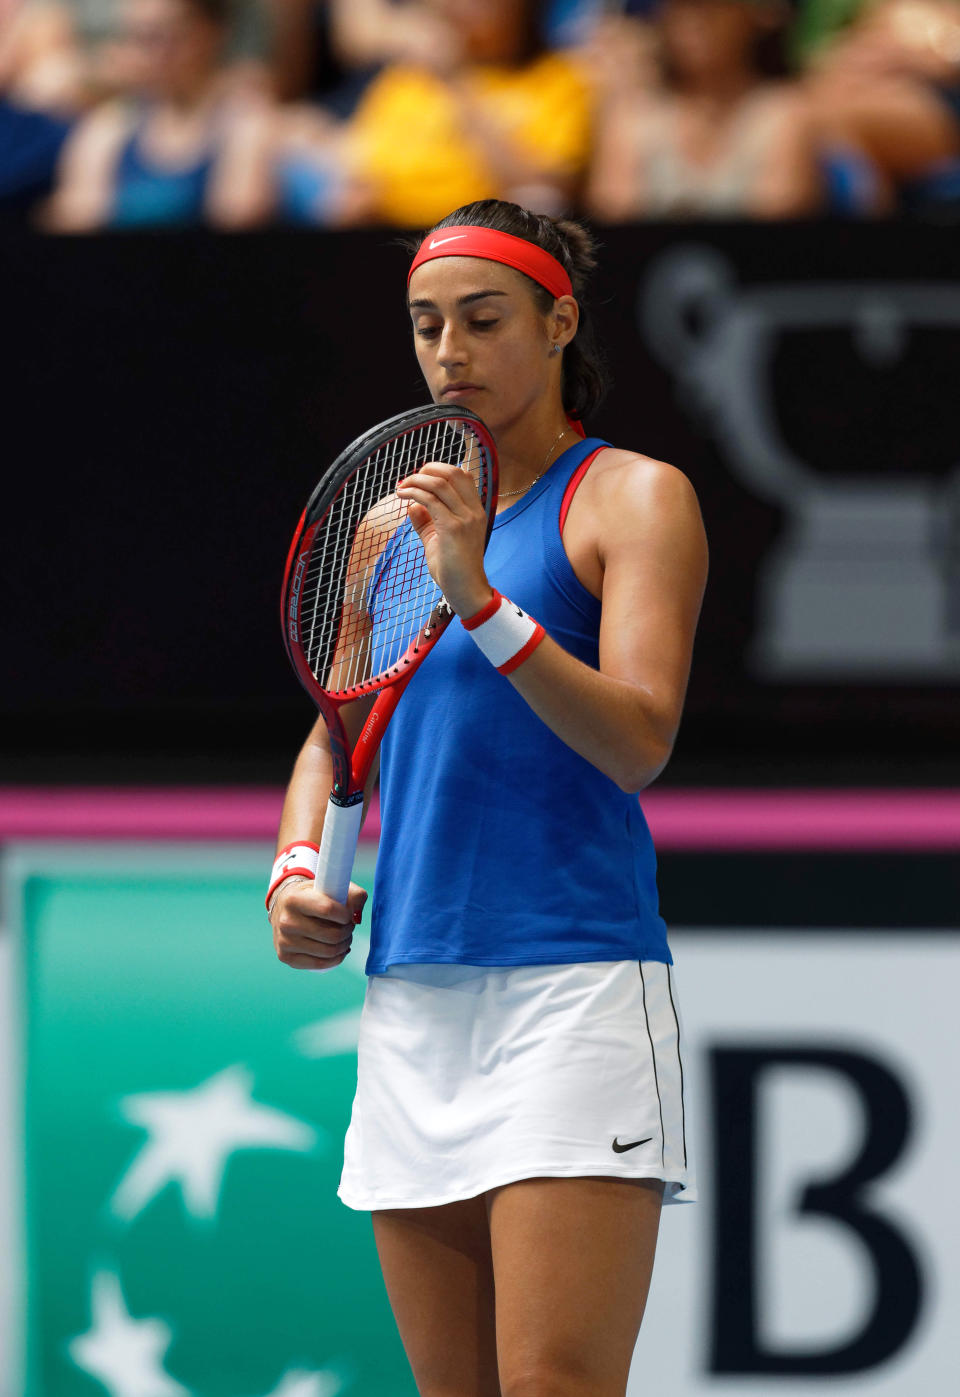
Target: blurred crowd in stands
<point>339,113</point>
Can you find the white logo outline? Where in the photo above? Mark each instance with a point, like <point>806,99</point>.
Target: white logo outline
<point>436,242</point>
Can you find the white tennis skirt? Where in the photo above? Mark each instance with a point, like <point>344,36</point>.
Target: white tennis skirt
<point>471,1077</point>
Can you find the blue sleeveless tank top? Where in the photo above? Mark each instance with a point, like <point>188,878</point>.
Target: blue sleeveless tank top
<point>500,845</point>
<point>147,195</point>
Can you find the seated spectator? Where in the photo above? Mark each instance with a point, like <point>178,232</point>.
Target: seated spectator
<point>328,51</point>
<point>889,88</point>
<point>314,172</point>
<point>185,146</point>
<point>619,57</point>
<point>483,112</point>
<point>722,135</point>
<point>40,95</point>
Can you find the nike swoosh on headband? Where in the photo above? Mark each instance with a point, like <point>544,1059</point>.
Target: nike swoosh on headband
<point>527,257</point>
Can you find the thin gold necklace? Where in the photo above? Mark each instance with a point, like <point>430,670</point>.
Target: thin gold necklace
<point>509,494</point>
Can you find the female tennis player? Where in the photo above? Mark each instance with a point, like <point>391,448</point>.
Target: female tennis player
<point>520,1113</point>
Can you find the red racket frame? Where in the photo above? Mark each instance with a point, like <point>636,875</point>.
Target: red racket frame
<point>351,769</point>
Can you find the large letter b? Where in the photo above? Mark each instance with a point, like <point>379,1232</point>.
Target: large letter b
<point>737,1345</point>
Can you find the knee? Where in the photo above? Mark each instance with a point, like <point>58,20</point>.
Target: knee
<point>534,1382</point>
<point>553,1379</point>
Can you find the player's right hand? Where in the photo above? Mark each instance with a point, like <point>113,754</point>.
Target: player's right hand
<point>310,930</point>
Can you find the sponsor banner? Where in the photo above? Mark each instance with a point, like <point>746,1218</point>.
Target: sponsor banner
<point>185,1105</point>
<point>822,1094</point>
<point>187,1096</point>
<point>11,1184</point>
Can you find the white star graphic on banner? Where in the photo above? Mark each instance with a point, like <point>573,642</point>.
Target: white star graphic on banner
<point>123,1353</point>
<point>299,1383</point>
<point>191,1136</point>
<point>327,1037</point>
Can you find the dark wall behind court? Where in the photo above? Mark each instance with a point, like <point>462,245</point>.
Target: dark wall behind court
<point>170,401</point>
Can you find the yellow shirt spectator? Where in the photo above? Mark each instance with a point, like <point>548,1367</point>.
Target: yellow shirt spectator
<point>429,145</point>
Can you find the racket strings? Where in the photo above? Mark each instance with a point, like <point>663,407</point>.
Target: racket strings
<point>367,595</point>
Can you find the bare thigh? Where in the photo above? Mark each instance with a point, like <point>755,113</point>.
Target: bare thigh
<point>572,1261</point>
<point>438,1272</point>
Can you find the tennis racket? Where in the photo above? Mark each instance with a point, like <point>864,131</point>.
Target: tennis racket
<point>360,610</point>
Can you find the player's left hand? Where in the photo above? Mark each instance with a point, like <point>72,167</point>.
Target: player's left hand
<point>446,512</point>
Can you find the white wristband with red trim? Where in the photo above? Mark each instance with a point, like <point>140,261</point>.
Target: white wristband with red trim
<point>295,861</point>
<point>505,634</point>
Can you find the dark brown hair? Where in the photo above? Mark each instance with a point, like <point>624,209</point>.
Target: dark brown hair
<point>574,248</point>
<point>769,53</point>
<point>216,12</point>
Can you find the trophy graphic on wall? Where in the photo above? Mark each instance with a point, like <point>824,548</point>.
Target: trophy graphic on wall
<point>833,401</point>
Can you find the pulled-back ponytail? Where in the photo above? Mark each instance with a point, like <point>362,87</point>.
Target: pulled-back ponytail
<point>573,246</point>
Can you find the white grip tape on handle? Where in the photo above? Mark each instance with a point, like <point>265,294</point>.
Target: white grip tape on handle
<point>338,849</point>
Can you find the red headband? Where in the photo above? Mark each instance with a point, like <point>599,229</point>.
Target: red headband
<point>467,241</point>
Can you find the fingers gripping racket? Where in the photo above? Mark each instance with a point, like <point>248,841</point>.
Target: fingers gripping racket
<point>360,610</point>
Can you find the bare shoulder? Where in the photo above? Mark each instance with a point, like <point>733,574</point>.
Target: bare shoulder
<point>81,200</point>
<point>633,511</point>
<point>626,487</point>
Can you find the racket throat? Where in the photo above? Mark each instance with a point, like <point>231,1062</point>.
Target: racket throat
<point>368,742</point>
<point>346,802</point>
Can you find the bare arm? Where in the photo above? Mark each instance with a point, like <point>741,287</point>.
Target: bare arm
<point>788,184</point>
<point>624,716</point>
<point>305,803</point>
<point>310,930</point>
<point>369,32</point>
<point>241,193</point>
<point>614,190</point>
<point>651,547</point>
<point>898,122</point>
<point>83,196</point>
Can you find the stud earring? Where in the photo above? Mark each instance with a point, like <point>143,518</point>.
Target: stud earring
<point>557,348</point>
